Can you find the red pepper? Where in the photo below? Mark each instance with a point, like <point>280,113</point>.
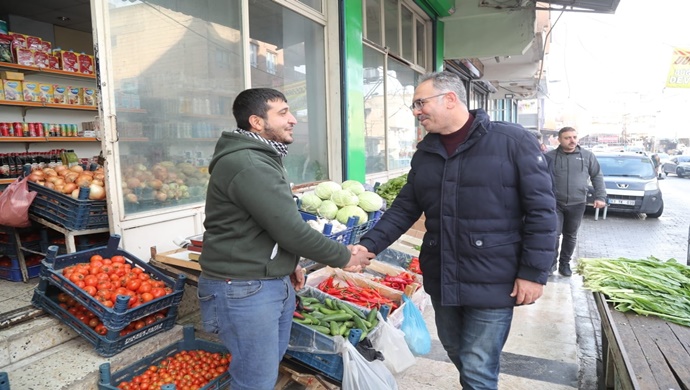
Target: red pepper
<point>297,314</point>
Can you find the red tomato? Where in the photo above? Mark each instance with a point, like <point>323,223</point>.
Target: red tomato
<point>95,258</point>
<point>133,284</point>
<point>118,259</point>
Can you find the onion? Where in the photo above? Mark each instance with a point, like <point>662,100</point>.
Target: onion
<point>96,192</point>
<point>161,196</point>
<point>35,178</point>
<point>49,184</point>
<point>133,183</point>
<point>60,168</point>
<point>75,194</point>
<point>83,181</point>
<point>131,198</point>
<point>68,188</point>
<point>76,168</point>
<point>99,176</point>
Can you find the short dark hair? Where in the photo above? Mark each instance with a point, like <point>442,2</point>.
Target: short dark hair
<point>254,101</point>
<point>565,130</point>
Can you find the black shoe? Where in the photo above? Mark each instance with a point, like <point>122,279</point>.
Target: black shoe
<point>564,269</point>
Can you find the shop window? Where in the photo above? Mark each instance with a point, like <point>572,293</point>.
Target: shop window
<point>390,127</point>
<point>253,54</point>
<point>315,4</point>
<point>173,100</point>
<point>420,33</point>
<point>372,20</point>
<point>271,63</point>
<point>295,47</point>
<point>392,24</point>
<point>407,32</point>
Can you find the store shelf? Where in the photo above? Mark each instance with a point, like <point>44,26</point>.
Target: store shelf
<point>47,139</point>
<point>46,105</point>
<point>7,181</point>
<point>51,72</point>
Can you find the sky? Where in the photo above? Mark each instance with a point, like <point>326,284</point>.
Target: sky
<point>598,60</point>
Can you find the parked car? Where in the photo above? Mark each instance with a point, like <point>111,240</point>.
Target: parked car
<point>678,165</point>
<point>631,184</point>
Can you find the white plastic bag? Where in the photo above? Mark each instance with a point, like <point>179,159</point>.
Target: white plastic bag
<point>391,342</point>
<point>360,374</point>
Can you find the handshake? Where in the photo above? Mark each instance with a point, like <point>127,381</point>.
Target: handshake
<point>359,258</point>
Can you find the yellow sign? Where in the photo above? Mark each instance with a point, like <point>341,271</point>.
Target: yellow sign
<point>679,74</point>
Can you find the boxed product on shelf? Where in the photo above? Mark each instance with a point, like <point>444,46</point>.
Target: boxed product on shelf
<point>31,91</point>
<point>41,59</point>
<point>106,341</point>
<point>119,315</point>
<point>10,75</point>
<point>85,63</point>
<point>111,380</point>
<point>6,53</point>
<point>45,92</point>
<point>59,94</point>
<point>62,209</point>
<point>13,90</point>
<point>24,56</point>
<point>73,95</point>
<point>53,62</point>
<point>88,96</point>
<point>68,60</point>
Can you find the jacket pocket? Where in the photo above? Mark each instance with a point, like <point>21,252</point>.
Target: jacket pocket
<point>494,239</point>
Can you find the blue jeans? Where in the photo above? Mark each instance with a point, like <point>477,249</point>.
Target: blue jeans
<point>473,339</point>
<point>253,319</point>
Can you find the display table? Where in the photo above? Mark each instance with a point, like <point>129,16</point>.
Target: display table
<point>642,352</point>
<point>69,234</point>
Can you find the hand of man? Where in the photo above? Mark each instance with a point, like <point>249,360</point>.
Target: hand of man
<point>526,291</point>
<point>599,204</point>
<point>297,278</point>
<point>359,258</point>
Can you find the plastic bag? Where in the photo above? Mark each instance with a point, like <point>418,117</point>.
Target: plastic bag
<point>359,374</point>
<point>14,204</point>
<point>416,333</point>
<point>391,342</point>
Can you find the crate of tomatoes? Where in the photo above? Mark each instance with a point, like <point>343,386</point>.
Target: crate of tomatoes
<point>189,363</point>
<point>112,283</point>
<point>107,342</point>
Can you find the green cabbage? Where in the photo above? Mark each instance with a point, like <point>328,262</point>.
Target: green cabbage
<point>326,189</point>
<point>352,211</point>
<point>327,209</point>
<point>354,186</point>
<point>310,202</point>
<point>370,201</point>
<point>344,198</point>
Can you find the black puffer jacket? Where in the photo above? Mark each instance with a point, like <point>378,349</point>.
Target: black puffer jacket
<point>490,214</point>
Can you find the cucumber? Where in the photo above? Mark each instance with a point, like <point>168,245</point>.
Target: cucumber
<point>309,300</point>
<point>344,306</point>
<point>316,314</point>
<point>321,329</point>
<point>344,329</point>
<point>372,314</point>
<point>305,321</point>
<point>313,320</point>
<point>337,317</point>
<point>335,328</point>
<point>326,310</point>
<point>359,323</point>
<point>330,304</point>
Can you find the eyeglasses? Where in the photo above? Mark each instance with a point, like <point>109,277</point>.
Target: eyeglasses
<point>419,103</point>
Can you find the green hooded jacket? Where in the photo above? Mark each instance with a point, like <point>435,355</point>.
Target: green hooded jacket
<point>253,227</point>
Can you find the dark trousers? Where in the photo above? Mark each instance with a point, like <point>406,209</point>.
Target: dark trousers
<point>569,218</point>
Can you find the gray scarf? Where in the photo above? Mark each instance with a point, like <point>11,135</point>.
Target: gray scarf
<point>280,147</point>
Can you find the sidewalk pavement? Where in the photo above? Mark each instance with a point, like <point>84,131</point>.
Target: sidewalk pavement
<point>541,352</point>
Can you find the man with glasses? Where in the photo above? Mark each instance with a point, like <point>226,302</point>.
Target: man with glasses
<point>485,190</point>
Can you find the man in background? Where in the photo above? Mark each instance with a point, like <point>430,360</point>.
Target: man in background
<point>572,168</point>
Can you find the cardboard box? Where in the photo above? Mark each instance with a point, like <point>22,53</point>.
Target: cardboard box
<point>59,94</point>
<point>25,57</point>
<point>9,75</point>
<point>178,258</point>
<point>13,90</point>
<point>45,93</point>
<point>41,59</point>
<point>72,95</point>
<point>85,63</point>
<point>31,91</point>
<point>68,60</point>
<point>88,96</point>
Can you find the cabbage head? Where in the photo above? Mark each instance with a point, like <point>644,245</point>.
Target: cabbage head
<point>352,211</point>
<point>370,201</point>
<point>310,202</point>
<point>326,189</point>
<point>327,209</point>
<point>354,186</point>
<point>344,198</point>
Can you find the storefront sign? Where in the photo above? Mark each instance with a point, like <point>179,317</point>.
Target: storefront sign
<point>679,74</point>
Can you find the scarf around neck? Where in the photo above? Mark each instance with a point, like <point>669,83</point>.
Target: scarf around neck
<point>280,147</point>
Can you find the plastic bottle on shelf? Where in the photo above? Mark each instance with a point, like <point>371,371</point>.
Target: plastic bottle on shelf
<point>4,166</point>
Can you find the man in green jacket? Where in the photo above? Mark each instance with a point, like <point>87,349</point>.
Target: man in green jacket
<point>253,241</point>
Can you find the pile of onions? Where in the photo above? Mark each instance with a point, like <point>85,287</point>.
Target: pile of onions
<point>69,180</point>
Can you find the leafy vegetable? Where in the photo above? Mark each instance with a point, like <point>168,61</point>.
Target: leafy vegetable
<point>646,286</point>
<point>390,189</point>
<point>370,201</point>
<point>326,189</point>
<point>310,202</point>
<point>352,211</point>
<point>354,186</point>
<point>344,198</point>
<point>327,209</point>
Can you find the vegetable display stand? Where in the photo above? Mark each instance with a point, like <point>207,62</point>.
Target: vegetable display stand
<point>65,211</point>
<point>110,381</point>
<point>119,316</point>
<point>306,343</point>
<point>642,352</point>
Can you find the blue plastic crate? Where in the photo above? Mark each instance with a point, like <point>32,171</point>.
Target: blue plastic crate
<point>353,232</point>
<point>106,345</point>
<point>330,365</point>
<point>395,257</point>
<point>62,209</point>
<point>14,272</point>
<point>109,381</point>
<point>119,316</point>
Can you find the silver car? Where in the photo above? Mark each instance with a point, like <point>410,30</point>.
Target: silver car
<point>679,166</point>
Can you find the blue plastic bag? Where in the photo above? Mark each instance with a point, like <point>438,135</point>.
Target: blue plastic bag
<point>417,335</point>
